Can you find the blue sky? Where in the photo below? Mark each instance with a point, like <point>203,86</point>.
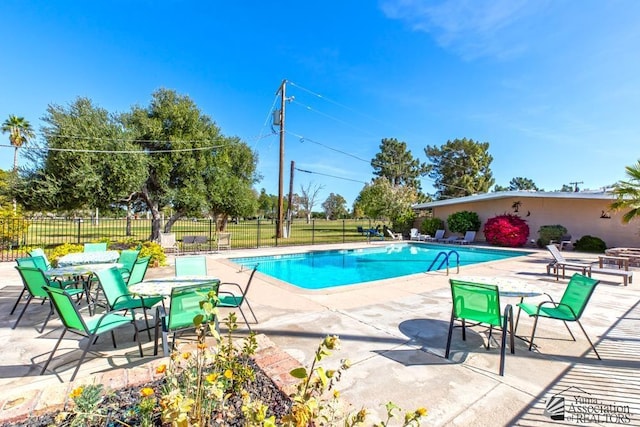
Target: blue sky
<point>553,86</point>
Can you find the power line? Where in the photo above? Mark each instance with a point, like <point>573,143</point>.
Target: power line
<point>82,150</point>
<point>331,176</point>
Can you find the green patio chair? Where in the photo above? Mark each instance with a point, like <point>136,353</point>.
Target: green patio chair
<point>114,288</point>
<point>569,309</point>
<point>91,328</point>
<point>185,305</point>
<point>95,247</point>
<point>480,303</point>
<point>138,271</point>
<point>127,258</point>
<point>24,262</point>
<point>39,252</point>
<point>33,280</point>
<point>237,297</point>
<point>191,266</point>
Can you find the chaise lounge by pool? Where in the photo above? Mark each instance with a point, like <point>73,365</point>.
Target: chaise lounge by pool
<point>332,268</point>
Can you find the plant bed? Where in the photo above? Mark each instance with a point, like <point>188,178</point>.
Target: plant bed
<point>120,407</point>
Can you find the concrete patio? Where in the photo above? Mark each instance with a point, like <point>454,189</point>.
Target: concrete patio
<point>394,332</point>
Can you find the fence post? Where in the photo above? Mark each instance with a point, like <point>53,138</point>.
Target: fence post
<point>210,235</point>
<point>79,221</point>
<point>313,231</point>
<point>344,236</point>
<point>258,235</point>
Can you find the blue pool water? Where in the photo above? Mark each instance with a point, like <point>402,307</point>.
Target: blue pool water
<point>326,269</point>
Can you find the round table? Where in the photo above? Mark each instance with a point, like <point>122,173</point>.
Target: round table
<point>77,258</point>
<point>163,286</point>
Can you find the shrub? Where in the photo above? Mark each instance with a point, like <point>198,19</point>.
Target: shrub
<point>506,230</point>
<point>430,225</point>
<point>590,244</point>
<point>550,232</point>
<point>403,223</point>
<point>62,250</point>
<point>463,221</point>
<point>156,252</point>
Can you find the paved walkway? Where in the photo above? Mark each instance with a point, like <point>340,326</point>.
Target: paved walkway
<point>394,332</point>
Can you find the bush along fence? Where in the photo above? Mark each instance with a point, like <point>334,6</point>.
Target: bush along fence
<point>19,235</point>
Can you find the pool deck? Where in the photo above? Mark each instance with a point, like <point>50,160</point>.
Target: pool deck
<point>394,332</point>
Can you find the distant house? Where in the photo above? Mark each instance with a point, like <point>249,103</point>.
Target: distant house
<point>581,213</point>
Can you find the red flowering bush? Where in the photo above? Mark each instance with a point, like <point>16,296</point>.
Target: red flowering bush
<point>506,230</point>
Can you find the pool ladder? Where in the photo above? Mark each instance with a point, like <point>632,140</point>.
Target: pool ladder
<point>446,259</point>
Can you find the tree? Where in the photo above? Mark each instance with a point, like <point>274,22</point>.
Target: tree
<point>520,183</point>
<point>380,200</point>
<point>397,165</point>
<point>567,188</point>
<point>460,168</point>
<point>88,161</point>
<point>20,132</point>
<point>230,183</point>
<point>267,203</point>
<point>192,167</point>
<point>499,188</point>
<point>308,199</point>
<point>335,206</point>
<point>628,194</point>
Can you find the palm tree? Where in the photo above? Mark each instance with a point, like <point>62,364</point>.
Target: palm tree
<point>628,194</point>
<point>20,132</point>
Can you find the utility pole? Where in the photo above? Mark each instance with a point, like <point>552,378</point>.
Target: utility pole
<point>282,91</point>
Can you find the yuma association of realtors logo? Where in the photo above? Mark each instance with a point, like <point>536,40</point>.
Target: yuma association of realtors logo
<point>581,407</point>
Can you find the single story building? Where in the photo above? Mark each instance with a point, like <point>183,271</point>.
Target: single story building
<point>581,213</point>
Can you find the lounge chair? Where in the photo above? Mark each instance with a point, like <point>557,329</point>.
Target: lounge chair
<point>469,237</point>
<point>436,237</point>
<point>393,235</point>
<point>559,262</point>
<point>450,239</point>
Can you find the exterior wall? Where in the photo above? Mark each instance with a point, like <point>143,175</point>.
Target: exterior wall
<point>579,216</point>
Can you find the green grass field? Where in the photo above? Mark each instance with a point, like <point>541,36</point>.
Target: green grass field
<point>49,233</point>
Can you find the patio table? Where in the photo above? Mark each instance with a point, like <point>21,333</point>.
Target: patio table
<point>77,258</point>
<point>82,273</point>
<point>163,287</point>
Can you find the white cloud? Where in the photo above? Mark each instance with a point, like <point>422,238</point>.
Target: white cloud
<point>470,28</point>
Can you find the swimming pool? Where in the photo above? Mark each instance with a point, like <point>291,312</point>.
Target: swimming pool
<point>331,268</point>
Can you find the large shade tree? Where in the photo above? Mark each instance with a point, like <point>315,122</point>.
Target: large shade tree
<point>628,194</point>
<point>461,167</point>
<point>86,161</point>
<point>193,168</point>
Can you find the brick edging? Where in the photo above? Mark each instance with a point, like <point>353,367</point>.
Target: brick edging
<point>21,405</point>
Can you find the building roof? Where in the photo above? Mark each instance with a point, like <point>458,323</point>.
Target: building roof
<point>585,195</point>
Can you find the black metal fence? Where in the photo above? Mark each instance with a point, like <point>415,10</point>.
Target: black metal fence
<point>19,235</point>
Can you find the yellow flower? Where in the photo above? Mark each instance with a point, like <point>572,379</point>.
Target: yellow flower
<point>161,369</point>
<point>147,391</point>
<point>212,377</point>
<point>336,394</point>
<point>202,346</point>
<point>77,392</point>
<point>421,411</point>
<point>228,374</point>
<point>186,356</point>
